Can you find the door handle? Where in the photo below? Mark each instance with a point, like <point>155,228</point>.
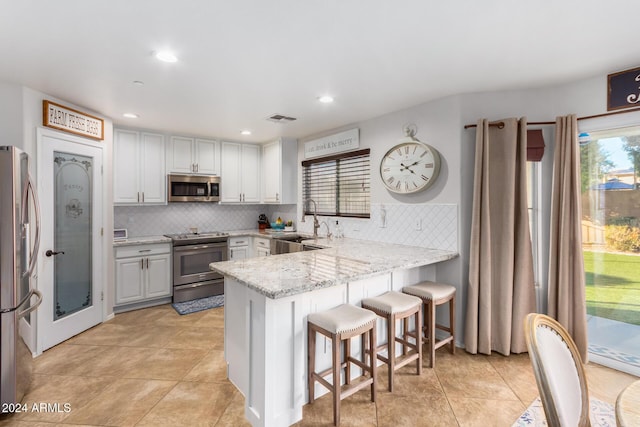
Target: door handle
<point>53,253</point>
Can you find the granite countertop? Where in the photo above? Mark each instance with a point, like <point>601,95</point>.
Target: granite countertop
<point>142,240</point>
<point>341,261</point>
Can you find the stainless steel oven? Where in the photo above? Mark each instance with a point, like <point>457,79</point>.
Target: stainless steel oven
<point>192,254</point>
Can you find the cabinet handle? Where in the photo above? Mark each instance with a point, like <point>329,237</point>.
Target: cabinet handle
<point>277,196</point>
<point>197,167</point>
<point>147,263</point>
<point>141,264</point>
<point>143,197</point>
<point>138,197</point>
<point>144,250</point>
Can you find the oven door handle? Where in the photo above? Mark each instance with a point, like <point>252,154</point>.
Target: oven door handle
<point>196,247</point>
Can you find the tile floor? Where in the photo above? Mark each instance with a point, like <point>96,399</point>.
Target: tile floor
<point>153,367</point>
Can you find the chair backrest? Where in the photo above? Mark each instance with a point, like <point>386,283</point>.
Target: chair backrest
<point>559,373</point>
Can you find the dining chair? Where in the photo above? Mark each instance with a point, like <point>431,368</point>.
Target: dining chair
<point>561,378</point>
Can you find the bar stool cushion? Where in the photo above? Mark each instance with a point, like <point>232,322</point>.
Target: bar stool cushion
<point>392,302</point>
<point>430,290</point>
<point>343,318</point>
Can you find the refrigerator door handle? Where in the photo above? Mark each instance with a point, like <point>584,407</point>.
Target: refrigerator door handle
<point>34,306</point>
<point>25,299</point>
<point>33,257</point>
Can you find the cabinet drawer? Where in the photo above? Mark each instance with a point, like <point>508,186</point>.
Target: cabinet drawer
<point>143,250</point>
<point>238,241</point>
<point>259,242</point>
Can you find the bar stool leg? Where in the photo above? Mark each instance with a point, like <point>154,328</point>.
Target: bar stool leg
<point>418,320</point>
<point>347,354</point>
<point>374,360</point>
<point>335,342</point>
<point>391,348</point>
<point>311,358</point>
<point>405,331</point>
<point>432,333</point>
<point>452,323</point>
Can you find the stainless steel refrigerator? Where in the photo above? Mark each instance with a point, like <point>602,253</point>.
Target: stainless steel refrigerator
<point>19,218</point>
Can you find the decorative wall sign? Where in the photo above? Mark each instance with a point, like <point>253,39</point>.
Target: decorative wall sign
<point>623,89</point>
<point>343,141</point>
<point>67,119</point>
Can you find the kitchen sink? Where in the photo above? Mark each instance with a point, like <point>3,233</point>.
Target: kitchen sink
<point>290,244</point>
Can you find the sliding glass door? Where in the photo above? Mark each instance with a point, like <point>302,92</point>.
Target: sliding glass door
<point>610,169</point>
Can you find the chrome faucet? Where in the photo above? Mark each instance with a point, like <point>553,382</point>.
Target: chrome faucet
<point>328,231</point>
<point>316,224</point>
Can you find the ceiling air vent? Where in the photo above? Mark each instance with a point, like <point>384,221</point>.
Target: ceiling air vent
<point>279,118</point>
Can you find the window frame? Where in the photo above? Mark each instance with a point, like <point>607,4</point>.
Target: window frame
<point>336,159</point>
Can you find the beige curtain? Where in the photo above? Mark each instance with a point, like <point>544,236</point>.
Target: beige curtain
<point>501,289</point>
<point>566,302</point>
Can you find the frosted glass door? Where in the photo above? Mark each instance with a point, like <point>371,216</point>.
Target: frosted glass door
<point>73,190</point>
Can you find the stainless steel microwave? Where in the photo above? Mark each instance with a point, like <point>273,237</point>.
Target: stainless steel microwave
<point>193,188</point>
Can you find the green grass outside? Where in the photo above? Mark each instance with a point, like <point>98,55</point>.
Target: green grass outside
<point>613,286</point>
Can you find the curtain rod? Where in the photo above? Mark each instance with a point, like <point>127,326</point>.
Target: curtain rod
<point>500,125</point>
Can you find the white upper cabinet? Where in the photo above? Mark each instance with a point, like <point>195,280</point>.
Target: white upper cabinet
<point>240,173</point>
<point>279,171</point>
<point>207,156</point>
<point>138,168</point>
<point>193,155</point>
<point>153,176</point>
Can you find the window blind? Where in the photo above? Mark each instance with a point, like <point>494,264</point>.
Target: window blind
<point>339,184</point>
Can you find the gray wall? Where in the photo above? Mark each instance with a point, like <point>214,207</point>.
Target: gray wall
<point>440,123</point>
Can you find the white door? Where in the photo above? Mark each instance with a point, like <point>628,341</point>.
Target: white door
<point>70,261</point>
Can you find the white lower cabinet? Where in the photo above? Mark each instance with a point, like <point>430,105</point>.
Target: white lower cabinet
<point>239,248</point>
<point>261,247</point>
<point>143,273</point>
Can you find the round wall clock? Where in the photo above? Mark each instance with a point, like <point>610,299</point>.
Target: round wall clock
<point>410,167</point>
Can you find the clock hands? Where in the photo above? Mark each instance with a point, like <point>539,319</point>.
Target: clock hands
<point>408,167</point>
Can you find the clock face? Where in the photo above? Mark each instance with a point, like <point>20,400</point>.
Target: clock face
<point>410,167</point>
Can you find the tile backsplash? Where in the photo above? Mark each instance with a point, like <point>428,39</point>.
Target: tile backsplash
<point>399,223</point>
<point>179,217</point>
<point>389,222</point>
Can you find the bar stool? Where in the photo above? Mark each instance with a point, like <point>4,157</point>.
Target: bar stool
<point>432,295</point>
<point>395,306</point>
<point>341,324</point>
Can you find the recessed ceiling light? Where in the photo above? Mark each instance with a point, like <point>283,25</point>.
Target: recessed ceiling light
<point>166,56</point>
<point>246,132</point>
<point>130,115</point>
<point>138,83</point>
<point>326,99</point>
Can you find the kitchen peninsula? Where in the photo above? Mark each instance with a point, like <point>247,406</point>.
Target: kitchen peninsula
<point>267,301</point>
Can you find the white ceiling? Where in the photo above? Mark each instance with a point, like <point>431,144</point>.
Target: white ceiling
<point>243,60</point>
